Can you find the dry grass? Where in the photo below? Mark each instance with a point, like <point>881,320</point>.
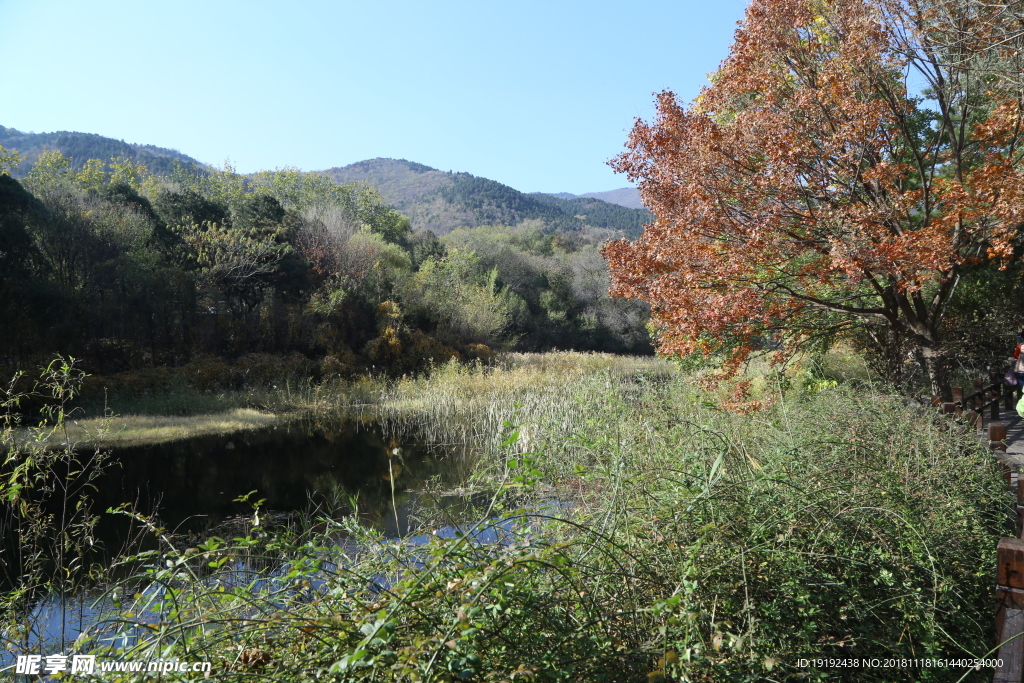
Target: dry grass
<point>558,363</point>
<point>467,408</point>
<point>137,430</point>
<point>454,386</point>
<point>457,405</point>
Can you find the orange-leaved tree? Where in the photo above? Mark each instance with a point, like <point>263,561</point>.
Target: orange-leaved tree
<point>848,161</point>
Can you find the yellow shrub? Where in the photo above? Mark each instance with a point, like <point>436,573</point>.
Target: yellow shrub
<point>208,373</point>
<point>480,352</point>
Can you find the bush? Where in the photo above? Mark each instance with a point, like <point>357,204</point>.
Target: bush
<point>207,373</point>
<point>264,369</point>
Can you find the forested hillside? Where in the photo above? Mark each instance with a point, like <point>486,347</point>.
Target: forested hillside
<point>107,261</point>
<point>624,196</point>
<point>433,200</point>
<point>442,201</point>
<point>80,147</point>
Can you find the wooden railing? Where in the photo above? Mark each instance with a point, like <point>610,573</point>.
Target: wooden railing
<point>975,404</point>
<point>1010,551</point>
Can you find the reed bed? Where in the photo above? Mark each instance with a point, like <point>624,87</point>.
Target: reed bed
<point>452,404</point>
<point>466,408</point>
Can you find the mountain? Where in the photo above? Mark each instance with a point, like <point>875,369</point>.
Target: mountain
<point>624,196</point>
<point>442,201</point>
<point>81,147</point>
<point>599,213</point>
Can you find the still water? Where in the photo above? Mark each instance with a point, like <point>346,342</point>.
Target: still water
<point>192,486</point>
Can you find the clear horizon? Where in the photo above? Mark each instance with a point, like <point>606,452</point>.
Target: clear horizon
<point>536,96</point>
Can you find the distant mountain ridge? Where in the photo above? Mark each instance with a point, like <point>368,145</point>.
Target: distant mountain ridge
<point>81,147</point>
<point>442,201</point>
<point>624,196</point>
<point>435,200</point>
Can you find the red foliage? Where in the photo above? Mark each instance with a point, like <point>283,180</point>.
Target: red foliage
<point>804,191</point>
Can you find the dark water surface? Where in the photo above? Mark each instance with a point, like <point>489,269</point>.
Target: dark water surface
<point>193,484</point>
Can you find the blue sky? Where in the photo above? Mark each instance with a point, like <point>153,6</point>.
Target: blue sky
<point>537,95</point>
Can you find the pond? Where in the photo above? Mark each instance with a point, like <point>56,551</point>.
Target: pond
<point>193,487</point>
<point>195,484</point>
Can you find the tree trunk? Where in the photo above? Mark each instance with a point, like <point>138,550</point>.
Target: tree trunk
<point>935,365</point>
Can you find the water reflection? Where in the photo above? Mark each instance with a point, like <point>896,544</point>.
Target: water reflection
<point>194,484</point>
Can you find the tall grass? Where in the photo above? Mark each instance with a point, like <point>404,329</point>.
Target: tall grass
<point>631,532</point>
<point>454,403</point>
<point>47,521</point>
<point>466,407</point>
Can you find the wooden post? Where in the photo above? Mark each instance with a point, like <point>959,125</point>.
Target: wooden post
<point>997,442</point>
<point>974,419</point>
<point>979,399</point>
<point>948,408</point>
<point>997,435</point>
<point>958,395</point>
<point>1010,609</point>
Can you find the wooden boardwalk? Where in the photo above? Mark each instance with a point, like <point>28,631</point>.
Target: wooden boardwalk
<point>1014,437</point>
<point>1008,446</point>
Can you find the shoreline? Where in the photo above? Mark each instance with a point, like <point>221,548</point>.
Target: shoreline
<point>149,430</point>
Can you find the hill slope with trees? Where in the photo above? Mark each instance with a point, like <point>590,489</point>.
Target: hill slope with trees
<point>80,147</point>
<point>439,201</point>
<point>624,196</point>
<point>124,268</point>
<point>442,201</point>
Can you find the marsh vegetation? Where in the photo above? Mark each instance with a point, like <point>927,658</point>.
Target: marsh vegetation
<point>617,525</point>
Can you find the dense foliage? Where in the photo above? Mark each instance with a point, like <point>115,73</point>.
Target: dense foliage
<point>108,262</point>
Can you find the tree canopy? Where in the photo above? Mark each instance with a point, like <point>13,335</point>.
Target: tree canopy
<point>848,161</point>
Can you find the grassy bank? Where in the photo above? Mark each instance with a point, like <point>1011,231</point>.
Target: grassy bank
<point>137,430</point>
<point>646,535</point>
<point>164,405</point>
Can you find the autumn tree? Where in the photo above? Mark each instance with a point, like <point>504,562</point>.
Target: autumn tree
<point>846,164</point>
